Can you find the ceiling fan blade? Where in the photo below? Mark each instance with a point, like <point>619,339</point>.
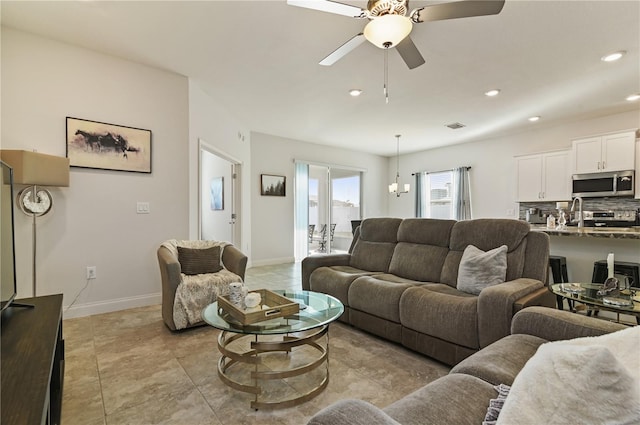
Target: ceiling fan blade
<point>341,51</point>
<point>459,9</point>
<point>329,6</point>
<point>409,53</point>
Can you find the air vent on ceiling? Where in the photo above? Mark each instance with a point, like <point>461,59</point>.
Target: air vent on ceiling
<point>455,125</point>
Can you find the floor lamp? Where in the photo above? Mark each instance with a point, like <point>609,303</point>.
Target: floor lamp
<point>34,170</point>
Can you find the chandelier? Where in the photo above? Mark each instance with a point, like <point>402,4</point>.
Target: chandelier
<point>394,187</point>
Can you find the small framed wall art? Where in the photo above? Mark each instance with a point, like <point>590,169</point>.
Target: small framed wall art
<point>93,144</point>
<point>271,185</point>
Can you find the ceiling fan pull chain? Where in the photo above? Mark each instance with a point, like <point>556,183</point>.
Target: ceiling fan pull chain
<point>386,75</point>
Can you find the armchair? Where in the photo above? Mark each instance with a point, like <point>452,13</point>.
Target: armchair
<point>184,296</point>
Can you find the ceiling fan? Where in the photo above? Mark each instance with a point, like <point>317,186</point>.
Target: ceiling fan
<point>390,25</point>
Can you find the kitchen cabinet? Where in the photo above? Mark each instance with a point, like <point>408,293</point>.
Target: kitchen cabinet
<point>544,177</point>
<point>604,153</point>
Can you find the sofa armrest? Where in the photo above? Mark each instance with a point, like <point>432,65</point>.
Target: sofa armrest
<point>351,412</point>
<point>496,307</point>
<point>170,278</point>
<point>540,297</point>
<point>554,325</point>
<point>309,264</point>
<point>234,260</point>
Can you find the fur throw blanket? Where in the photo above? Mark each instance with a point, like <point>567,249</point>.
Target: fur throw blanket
<point>195,292</point>
<point>591,380</point>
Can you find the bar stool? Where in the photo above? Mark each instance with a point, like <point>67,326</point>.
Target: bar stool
<point>558,266</point>
<point>624,268</point>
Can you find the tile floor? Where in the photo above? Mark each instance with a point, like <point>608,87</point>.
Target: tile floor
<point>126,367</point>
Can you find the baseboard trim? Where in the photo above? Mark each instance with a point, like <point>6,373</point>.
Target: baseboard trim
<point>88,309</point>
<point>273,261</point>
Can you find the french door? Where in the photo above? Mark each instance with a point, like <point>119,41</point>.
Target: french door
<point>328,198</point>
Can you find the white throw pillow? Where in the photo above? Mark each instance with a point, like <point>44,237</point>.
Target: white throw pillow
<point>479,269</point>
<point>592,380</point>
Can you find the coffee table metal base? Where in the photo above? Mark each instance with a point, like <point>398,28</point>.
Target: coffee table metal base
<point>288,342</point>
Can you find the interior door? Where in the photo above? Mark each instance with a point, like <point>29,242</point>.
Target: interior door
<point>218,182</point>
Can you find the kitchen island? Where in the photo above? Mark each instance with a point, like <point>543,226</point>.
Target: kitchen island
<point>592,232</point>
<point>584,246</point>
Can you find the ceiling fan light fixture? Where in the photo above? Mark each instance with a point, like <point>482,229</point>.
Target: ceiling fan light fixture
<point>388,30</point>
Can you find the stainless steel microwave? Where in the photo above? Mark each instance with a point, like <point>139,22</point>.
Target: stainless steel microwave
<point>617,183</point>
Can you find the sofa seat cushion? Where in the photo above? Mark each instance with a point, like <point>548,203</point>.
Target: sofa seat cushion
<point>335,280</point>
<point>453,399</point>
<point>442,312</point>
<point>500,362</point>
<point>377,297</point>
<point>352,412</point>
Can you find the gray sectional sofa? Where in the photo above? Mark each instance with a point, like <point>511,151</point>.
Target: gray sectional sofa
<point>463,396</point>
<point>400,281</point>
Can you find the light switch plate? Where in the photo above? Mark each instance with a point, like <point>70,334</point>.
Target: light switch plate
<point>142,208</point>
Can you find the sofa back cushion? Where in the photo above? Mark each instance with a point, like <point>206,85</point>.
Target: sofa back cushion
<point>423,245</point>
<point>374,246</point>
<point>487,234</point>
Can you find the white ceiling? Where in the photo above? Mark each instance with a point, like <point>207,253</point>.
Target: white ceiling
<point>259,59</point>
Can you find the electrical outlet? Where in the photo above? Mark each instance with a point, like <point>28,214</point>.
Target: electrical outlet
<point>510,213</point>
<point>91,272</point>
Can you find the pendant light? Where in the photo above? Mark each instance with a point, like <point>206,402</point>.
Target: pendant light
<point>393,187</point>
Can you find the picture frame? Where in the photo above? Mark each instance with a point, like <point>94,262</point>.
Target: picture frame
<point>217,193</point>
<point>273,185</point>
<point>104,146</point>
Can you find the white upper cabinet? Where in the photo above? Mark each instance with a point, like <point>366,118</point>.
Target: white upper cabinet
<point>544,177</point>
<point>610,152</point>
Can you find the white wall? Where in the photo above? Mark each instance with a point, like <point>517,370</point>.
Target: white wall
<point>94,221</point>
<point>273,217</point>
<point>211,123</point>
<point>493,172</point>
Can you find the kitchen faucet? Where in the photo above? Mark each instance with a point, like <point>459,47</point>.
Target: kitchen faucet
<point>573,208</point>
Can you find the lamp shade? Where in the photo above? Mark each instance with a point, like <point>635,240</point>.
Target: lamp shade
<point>34,168</point>
<point>388,30</point>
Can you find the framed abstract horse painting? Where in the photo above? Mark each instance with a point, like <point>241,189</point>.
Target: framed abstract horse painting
<point>93,144</point>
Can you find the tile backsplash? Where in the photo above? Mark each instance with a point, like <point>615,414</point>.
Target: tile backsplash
<point>589,204</point>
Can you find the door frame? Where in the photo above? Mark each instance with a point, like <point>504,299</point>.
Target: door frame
<point>235,192</point>
<point>329,211</point>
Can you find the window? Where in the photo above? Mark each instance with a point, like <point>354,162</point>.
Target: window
<point>443,194</point>
<point>437,195</point>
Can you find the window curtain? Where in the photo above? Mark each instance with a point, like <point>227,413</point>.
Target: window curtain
<point>301,196</point>
<point>421,201</point>
<point>461,198</point>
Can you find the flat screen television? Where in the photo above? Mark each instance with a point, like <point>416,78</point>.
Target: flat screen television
<point>8,288</point>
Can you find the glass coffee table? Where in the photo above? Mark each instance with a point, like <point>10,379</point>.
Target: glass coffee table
<point>243,367</point>
<point>627,302</point>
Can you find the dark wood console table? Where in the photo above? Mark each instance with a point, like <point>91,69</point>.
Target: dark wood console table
<point>32,362</point>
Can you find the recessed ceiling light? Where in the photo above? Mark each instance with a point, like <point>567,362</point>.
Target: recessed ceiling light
<point>355,92</point>
<point>633,97</point>
<point>612,57</point>
<point>534,119</point>
<point>491,93</point>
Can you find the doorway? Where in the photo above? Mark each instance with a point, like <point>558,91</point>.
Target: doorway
<point>328,198</point>
<point>219,195</point>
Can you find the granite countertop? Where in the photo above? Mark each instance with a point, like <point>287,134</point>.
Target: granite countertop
<point>597,232</point>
